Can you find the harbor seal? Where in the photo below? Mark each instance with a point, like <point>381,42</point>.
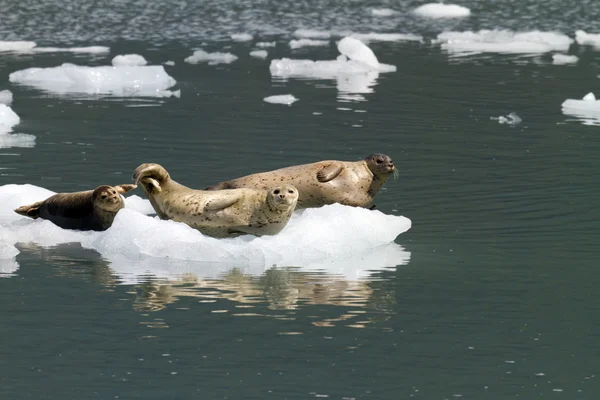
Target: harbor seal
<point>221,213</point>
<point>91,210</point>
<point>325,182</point>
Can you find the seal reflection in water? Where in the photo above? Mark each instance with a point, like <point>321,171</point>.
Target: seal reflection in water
<point>220,213</point>
<point>92,210</point>
<point>325,182</point>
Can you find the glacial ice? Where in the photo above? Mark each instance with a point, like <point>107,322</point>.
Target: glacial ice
<point>503,41</point>
<point>590,39</point>
<point>328,237</point>
<point>383,12</point>
<point>441,10</point>
<point>296,44</point>
<point>241,37</point>
<point>129,60</point>
<point>287,99</point>
<point>259,54</point>
<point>562,59</point>
<point>312,34</point>
<point>67,78</point>
<point>6,97</point>
<point>8,119</point>
<point>587,109</point>
<point>212,58</point>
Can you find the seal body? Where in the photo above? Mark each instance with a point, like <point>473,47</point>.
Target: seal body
<point>222,213</point>
<point>90,210</point>
<point>325,182</point>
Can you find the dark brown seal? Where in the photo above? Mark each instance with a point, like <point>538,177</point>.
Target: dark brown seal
<point>91,210</point>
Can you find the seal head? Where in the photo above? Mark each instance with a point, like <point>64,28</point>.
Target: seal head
<point>107,198</point>
<point>283,198</point>
<point>380,165</point>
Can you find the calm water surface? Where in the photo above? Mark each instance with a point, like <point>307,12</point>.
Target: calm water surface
<point>495,299</point>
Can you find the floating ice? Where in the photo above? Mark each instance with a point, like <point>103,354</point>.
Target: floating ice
<point>590,39</point>
<point>383,12</point>
<point>510,119</point>
<point>441,10</point>
<point>241,37</point>
<point>16,140</point>
<point>562,59</point>
<point>89,49</point>
<point>386,37</point>
<point>264,45</point>
<point>356,50</point>
<point>259,53</point>
<point>147,80</point>
<point>6,97</point>
<point>296,44</point>
<point>503,41</point>
<point>129,60</point>
<point>16,46</point>
<point>212,58</point>
<point>8,119</point>
<point>587,109</point>
<point>312,34</point>
<point>169,63</point>
<point>281,99</point>
<point>313,236</point>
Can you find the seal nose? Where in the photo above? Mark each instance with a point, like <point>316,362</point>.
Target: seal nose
<point>282,196</point>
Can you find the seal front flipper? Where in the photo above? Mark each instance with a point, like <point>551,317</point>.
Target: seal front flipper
<point>222,203</point>
<point>31,211</point>
<point>329,172</point>
<point>124,188</point>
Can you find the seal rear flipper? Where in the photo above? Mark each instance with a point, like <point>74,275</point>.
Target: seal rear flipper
<point>221,203</point>
<point>329,172</point>
<point>31,211</point>
<point>124,188</point>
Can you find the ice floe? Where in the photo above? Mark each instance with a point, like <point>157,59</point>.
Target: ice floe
<point>212,58</point>
<point>31,47</point>
<point>6,97</point>
<point>287,99</point>
<point>510,119</point>
<point>264,45</point>
<point>259,54</point>
<point>8,119</point>
<point>312,34</point>
<point>562,59</point>
<point>386,37</point>
<point>333,234</point>
<point>441,10</point>
<point>383,12</point>
<point>169,63</point>
<point>296,44</point>
<point>242,37</point>
<point>16,46</point>
<point>503,41</point>
<point>129,60</point>
<point>587,109</point>
<point>16,140</point>
<point>149,80</point>
<point>590,39</point>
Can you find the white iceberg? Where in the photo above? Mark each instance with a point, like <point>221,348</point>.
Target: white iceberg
<point>441,10</point>
<point>149,81</point>
<point>287,99</point>
<point>330,234</point>
<point>586,110</point>
<point>6,97</point>
<point>296,44</point>
<point>241,37</point>
<point>129,60</point>
<point>562,59</point>
<point>259,54</point>
<point>503,41</point>
<point>212,58</point>
<point>312,34</point>
<point>383,12</point>
<point>590,39</point>
<point>8,119</point>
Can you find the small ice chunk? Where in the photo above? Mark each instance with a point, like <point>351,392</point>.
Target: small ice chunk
<point>441,10</point>
<point>589,97</point>
<point>89,49</point>
<point>264,45</point>
<point>16,140</point>
<point>287,99</point>
<point>383,12</point>
<point>169,63</point>
<point>241,37</point>
<point>296,44</point>
<point>8,119</point>
<point>140,205</point>
<point>386,37</point>
<point>587,109</point>
<point>259,53</point>
<point>16,46</point>
<point>147,80</point>
<point>312,34</point>
<point>503,41</point>
<point>212,58</point>
<point>590,39</point>
<point>129,60</point>
<point>6,97</point>
<point>356,50</point>
<point>510,119</point>
<point>562,59</point>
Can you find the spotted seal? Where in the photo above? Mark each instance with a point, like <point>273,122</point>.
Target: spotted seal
<point>220,213</point>
<point>90,210</point>
<point>325,182</point>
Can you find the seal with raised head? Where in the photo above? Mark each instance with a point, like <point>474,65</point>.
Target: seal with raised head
<point>352,183</point>
<point>90,210</point>
<point>220,213</point>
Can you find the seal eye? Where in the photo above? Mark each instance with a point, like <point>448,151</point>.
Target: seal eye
<point>379,161</point>
<point>276,191</point>
<point>103,196</point>
<point>290,191</point>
